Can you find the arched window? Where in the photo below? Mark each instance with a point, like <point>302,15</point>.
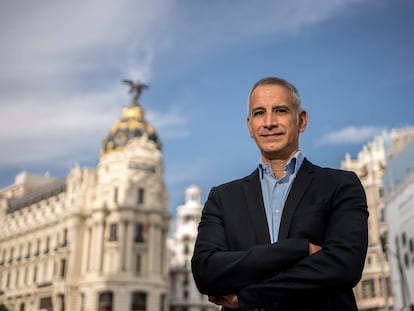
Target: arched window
<point>138,301</point>
<point>140,196</point>
<point>46,303</point>
<point>138,234</point>
<point>105,301</point>
<point>113,232</point>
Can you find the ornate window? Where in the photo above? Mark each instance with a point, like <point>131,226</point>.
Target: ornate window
<point>46,303</point>
<point>138,301</point>
<point>113,232</point>
<point>162,302</point>
<point>368,288</point>
<point>105,301</point>
<point>138,234</point>
<point>140,196</point>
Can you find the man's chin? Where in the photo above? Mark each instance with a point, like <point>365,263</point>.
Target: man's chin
<point>272,154</point>
<point>275,154</point>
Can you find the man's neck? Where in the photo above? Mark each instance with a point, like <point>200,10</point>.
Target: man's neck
<point>278,164</point>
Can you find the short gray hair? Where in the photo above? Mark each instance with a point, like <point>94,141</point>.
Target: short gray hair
<point>296,101</point>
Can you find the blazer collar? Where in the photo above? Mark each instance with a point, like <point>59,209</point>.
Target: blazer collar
<point>300,184</point>
<point>255,205</point>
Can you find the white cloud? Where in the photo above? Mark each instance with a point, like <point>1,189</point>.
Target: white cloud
<point>56,40</point>
<point>44,129</point>
<point>61,62</point>
<point>62,40</point>
<point>350,135</point>
<point>169,124</point>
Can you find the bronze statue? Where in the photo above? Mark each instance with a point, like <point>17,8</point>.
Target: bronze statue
<point>135,89</point>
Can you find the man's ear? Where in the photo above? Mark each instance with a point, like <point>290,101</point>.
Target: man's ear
<point>248,126</point>
<point>303,121</point>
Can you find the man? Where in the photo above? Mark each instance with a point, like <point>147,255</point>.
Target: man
<point>292,235</point>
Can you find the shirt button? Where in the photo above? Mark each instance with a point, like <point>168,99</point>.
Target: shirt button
<point>277,211</point>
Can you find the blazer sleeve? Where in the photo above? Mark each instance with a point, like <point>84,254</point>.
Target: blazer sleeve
<point>338,265</point>
<point>218,270</point>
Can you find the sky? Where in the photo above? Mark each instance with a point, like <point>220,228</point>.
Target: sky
<point>62,62</point>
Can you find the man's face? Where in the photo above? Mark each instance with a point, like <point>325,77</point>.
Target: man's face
<point>273,123</point>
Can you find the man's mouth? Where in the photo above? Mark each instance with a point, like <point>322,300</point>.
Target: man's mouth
<point>272,134</point>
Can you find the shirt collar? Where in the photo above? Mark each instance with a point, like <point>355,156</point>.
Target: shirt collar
<point>291,166</point>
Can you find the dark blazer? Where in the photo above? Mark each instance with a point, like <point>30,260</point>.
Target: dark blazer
<point>233,253</point>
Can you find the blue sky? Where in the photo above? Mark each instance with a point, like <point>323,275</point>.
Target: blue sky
<point>62,63</point>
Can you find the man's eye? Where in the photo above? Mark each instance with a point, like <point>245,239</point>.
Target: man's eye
<point>281,110</point>
<point>258,113</point>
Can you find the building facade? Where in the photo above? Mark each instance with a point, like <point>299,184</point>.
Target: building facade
<point>184,295</point>
<point>95,239</point>
<point>399,206</point>
<point>374,292</point>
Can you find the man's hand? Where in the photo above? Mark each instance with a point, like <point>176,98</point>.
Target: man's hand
<point>229,301</point>
<point>313,248</point>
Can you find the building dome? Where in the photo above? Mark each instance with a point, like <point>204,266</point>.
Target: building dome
<point>193,195</point>
<point>131,125</point>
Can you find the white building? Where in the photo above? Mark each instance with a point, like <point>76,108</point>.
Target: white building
<point>184,294</point>
<point>373,293</point>
<point>399,194</point>
<point>94,240</point>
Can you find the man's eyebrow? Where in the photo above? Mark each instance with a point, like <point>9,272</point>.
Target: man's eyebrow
<point>282,106</point>
<point>273,107</point>
<point>257,107</point>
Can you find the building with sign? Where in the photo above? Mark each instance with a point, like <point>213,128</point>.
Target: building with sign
<point>95,239</point>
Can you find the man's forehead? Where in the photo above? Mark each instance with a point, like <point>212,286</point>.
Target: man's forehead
<point>271,91</point>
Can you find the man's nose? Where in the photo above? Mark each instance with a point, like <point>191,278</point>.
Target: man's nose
<point>270,120</point>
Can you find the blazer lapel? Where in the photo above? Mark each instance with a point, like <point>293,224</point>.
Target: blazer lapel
<point>255,206</point>
<point>299,186</point>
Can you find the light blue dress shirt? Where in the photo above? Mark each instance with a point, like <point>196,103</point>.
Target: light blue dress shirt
<point>275,192</point>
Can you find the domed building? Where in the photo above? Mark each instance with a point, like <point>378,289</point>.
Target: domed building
<point>96,239</point>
